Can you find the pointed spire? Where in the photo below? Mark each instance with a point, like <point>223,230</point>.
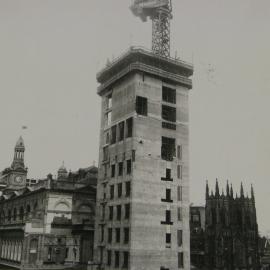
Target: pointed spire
<point>217,189</point>
<point>231,191</point>
<point>20,143</point>
<point>241,191</point>
<point>18,160</point>
<point>227,189</point>
<point>207,190</point>
<point>252,194</point>
<point>222,193</point>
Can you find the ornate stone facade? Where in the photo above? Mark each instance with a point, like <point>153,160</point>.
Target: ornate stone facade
<point>231,230</point>
<point>51,223</point>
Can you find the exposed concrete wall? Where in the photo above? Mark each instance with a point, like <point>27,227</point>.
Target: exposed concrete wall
<point>147,246</point>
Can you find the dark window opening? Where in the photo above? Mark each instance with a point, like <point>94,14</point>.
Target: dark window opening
<point>113,135</point>
<point>179,238</point>
<point>129,166</point>
<point>126,259</point>
<point>127,211</point>
<point>129,126</point>
<point>168,238</point>
<point>179,214</point>
<point>169,125</point>
<point>120,168</point>
<point>103,211</point>
<point>167,218</point>
<point>168,148</point>
<point>141,105</point>
<point>116,261</point>
<point>168,196</point>
<point>168,113</point>
<point>109,101</point>
<point>179,152</point>
<point>105,153</point>
<point>179,171</point>
<point>168,94</point>
<point>113,170</point>
<point>110,212</point>
<point>168,175</point>
<point>119,187</point>
<point>133,155</point>
<point>105,167</point>
<point>180,260</point>
<point>117,235</point>
<point>14,214</point>
<point>9,215</point>
<point>102,233</point>
<point>109,257</point>
<point>121,128</point>
<point>112,192</point>
<point>109,235</point>
<point>126,235</point>
<point>118,212</point>
<point>127,189</point>
<point>107,137</point>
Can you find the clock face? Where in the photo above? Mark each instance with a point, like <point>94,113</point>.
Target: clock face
<point>18,179</point>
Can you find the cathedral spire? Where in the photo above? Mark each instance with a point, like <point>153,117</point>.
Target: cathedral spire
<point>242,191</point>
<point>207,190</point>
<point>231,191</point>
<point>252,194</point>
<point>217,189</point>
<point>227,189</point>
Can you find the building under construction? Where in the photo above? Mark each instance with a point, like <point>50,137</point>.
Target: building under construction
<point>143,187</point>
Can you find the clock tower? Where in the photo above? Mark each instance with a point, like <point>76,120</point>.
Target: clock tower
<point>16,178</point>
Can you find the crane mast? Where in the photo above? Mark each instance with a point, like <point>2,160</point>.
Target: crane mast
<point>160,12</point>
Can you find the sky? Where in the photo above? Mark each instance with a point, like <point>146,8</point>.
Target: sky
<point>50,52</point>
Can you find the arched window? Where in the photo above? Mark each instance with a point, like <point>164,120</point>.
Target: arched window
<point>15,214</point>
<point>21,213</point>
<point>28,210</point>
<point>214,216</point>
<point>3,217</point>
<point>35,207</point>
<point>239,218</point>
<point>223,217</point>
<point>49,254</point>
<point>9,215</point>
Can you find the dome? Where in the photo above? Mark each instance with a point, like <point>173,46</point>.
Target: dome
<point>62,172</point>
<point>62,168</point>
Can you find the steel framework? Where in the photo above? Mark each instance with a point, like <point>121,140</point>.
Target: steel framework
<point>161,32</point>
<point>160,12</point>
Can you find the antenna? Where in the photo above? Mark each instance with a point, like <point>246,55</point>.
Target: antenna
<point>160,12</point>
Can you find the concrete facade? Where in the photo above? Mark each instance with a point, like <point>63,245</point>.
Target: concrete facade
<point>134,87</point>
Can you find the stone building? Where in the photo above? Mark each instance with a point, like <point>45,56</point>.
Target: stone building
<point>197,236</point>
<point>231,230</point>
<point>143,183</point>
<point>50,224</point>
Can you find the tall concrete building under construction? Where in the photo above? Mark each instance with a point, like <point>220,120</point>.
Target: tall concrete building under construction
<point>143,186</point>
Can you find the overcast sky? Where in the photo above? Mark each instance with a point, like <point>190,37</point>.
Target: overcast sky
<point>50,52</point>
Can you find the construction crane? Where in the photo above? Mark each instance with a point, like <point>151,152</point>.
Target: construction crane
<point>160,12</point>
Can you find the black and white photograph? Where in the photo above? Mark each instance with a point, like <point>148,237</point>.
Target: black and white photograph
<point>134,135</point>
